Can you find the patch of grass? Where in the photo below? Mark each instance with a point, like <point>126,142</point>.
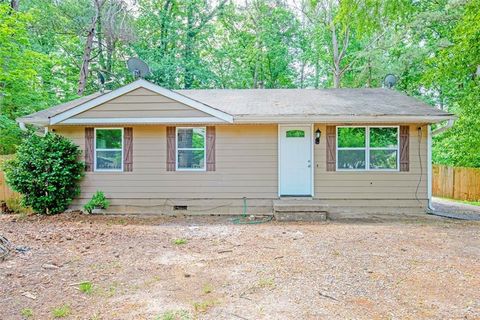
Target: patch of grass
<point>208,288</point>
<point>27,313</point>
<point>203,306</point>
<point>473,203</point>
<point>179,241</point>
<point>174,315</point>
<point>266,282</point>
<point>62,311</point>
<point>86,287</point>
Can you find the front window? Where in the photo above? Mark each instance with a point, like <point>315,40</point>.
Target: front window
<point>109,149</point>
<point>367,148</point>
<point>191,148</point>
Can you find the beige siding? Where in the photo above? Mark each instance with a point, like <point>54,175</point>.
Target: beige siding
<point>142,103</point>
<point>370,184</point>
<point>246,166</point>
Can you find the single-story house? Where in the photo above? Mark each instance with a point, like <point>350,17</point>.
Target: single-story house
<point>345,151</point>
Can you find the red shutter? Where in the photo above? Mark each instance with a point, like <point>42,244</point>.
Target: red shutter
<point>331,148</point>
<point>128,149</point>
<point>89,146</point>
<point>210,148</point>
<point>171,148</point>
<point>404,148</point>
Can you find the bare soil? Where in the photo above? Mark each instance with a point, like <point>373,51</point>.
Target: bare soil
<point>141,268</point>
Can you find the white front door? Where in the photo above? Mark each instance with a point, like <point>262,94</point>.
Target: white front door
<point>295,144</point>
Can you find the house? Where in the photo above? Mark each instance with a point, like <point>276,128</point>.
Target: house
<point>343,151</point>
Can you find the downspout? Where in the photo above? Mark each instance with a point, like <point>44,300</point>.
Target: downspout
<point>22,126</point>
<point>444,128</point>
<point>431,134</point>
<point>429,164</point>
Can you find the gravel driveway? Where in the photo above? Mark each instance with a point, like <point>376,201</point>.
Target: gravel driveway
<point>208,268</point>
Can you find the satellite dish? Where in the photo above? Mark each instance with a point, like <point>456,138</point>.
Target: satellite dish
<point>389,81</point>
<point>138,68</point>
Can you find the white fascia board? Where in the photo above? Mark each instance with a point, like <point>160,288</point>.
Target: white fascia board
<point>340,119</point>
<point>135,85</point>
<point>104,121</point>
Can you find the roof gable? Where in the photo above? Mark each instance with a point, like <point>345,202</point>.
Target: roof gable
<point>79,114</point>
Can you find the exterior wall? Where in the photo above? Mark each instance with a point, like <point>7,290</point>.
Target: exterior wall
<point>142,103</point>
<point>247,166</point>
<point>374,191</point>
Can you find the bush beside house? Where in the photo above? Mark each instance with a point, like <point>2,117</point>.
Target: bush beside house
<point>46,171</point>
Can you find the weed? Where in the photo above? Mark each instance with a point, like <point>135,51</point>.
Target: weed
<point>61,312</point>
<point>266,282</point>
<point>174,315</point>
<point>203,306</point>
<point>27,313</point>
<point>207,288</point>
<point>179,241</point>
<point>96,316</point>
<point>86,287</point>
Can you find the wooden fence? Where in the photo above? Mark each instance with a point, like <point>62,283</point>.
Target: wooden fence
<point>456,183</point>
<point>5,191</point>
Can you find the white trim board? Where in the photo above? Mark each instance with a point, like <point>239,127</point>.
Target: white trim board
<point>92,121</point>
<point>60,118</point>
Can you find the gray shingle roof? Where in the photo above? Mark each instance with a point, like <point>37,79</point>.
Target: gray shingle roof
<point>245,103</point>
<point>312,102</point>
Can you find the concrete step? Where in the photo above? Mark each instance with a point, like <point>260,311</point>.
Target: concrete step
<point>300,210</point>
<point>300,216</point>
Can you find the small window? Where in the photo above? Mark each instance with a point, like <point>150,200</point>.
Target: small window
<point>295,134</point>
<point>109,149</point>
<point>191,148</point>
<point>367,148</point>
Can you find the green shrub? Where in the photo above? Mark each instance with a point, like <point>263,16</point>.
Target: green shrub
<point>46,171</point>
<point>98,201</point>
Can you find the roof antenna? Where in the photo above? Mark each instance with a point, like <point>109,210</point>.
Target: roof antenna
<point>138,68</point>
<point>389,81</point>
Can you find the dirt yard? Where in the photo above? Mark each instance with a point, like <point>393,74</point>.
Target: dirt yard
<point>94,267</point>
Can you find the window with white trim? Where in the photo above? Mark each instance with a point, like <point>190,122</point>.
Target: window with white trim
<point>191,152</point>
<point>108,149</point>
<point>368,148</point>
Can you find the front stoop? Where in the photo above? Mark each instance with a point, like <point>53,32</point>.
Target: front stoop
<point>299,210</point>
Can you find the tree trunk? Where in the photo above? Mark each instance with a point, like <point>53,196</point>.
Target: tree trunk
<point>84,70</point>
<point>14,4</point>
<point>336,59</point>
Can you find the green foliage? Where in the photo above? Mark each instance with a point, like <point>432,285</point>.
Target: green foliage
<point>98,201</point>
<point>62,311</point>
<point>86,287</point>
<point>26,313</point>
<point>46,171</point>
<point>180,241</point>
<point>10,135</point>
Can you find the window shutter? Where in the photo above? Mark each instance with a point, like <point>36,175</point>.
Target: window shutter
<point>404,148</point>
<point>89,146</point>
<point>128,149</point>
<point>171,148</point>
<point>331,148</point>
<point>210,148</point>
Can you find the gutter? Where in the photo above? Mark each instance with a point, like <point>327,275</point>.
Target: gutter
<point>449,124</point>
